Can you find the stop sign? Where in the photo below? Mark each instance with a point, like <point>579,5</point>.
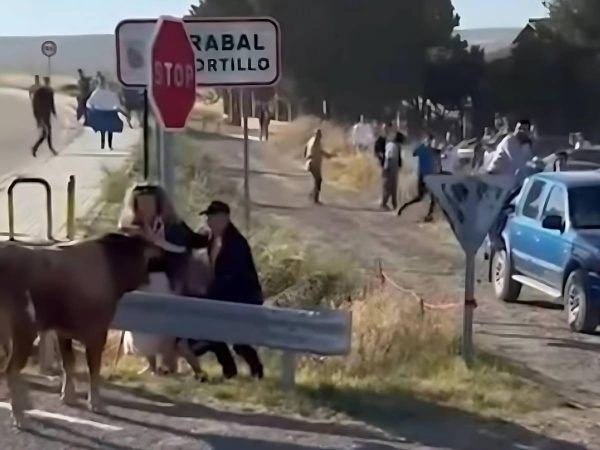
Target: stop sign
<point>172,91</point>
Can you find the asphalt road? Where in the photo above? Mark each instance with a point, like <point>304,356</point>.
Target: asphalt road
<point>141,421</point>
<point>18,132</point>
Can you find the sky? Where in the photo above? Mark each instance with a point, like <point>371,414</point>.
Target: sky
<point>497,13</point>
<point>62,17</point>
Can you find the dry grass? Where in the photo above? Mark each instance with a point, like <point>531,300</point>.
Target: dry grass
<point>397,357</point>
<point>398,352</point>
<point>348,169</point>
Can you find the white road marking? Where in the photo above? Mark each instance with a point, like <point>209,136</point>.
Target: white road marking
<point>74,420</point>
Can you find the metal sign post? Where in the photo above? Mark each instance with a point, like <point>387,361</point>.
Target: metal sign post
<point>471,205</point>
<point>247,206</point>
<point>168,162</point>
<point>49,49</point>
<point>145,126</point>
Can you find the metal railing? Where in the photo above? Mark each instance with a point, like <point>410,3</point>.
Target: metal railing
<point>326,332</point>
<point>11,204</point>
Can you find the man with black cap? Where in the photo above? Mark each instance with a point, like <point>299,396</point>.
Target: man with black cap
<point>234,280</point>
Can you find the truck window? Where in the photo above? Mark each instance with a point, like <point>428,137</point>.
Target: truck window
<point>534,199</point>
<point>556,203</point>
<point>585,208</point>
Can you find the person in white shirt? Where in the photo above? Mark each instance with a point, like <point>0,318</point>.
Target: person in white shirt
<point>103,108</point>
<point>513,152</point>
<point>362,136</point>
<point>391,165</point>
<point>449,155</point>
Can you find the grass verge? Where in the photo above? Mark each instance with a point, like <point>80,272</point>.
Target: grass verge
<point>399,362</point>
<point>398,357</point>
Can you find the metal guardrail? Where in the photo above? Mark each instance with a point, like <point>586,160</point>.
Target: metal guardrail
<point>326,333</point>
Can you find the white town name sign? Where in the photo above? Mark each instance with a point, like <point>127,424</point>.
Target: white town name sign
<point>229,52</point>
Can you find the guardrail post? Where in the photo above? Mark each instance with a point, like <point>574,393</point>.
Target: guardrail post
<point>71,208</point>
<point>288,371</point>
<point>276,112</point>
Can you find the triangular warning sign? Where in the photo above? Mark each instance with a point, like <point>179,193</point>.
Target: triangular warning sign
<point>471,204</point>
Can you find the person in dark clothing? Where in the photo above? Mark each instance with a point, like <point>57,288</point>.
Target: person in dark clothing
<point>85,89</point>
<point>34,86</point>
<point>380,142</point>
<point>392,164</point>
<point>234,280</point>
<point>43,110</point>
<point>264,120</point>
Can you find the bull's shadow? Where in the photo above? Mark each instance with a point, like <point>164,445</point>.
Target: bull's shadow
<point>400,419</point>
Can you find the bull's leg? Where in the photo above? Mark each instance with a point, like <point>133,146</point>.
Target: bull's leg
<point>93,352</point>
<point>68,395</point>
<point>22,344</point>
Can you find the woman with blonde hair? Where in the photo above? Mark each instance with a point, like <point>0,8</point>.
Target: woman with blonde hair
<point>148,210</point>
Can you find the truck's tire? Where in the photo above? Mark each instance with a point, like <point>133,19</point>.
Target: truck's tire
<point>505,288</point>
<point>582,312</point>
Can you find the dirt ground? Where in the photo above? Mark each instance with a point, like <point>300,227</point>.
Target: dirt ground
<point>531,335</point>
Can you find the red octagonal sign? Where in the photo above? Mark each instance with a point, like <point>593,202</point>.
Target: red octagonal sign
<point>172,74</point>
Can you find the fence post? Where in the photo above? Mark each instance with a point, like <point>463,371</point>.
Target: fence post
<point>288,371</point>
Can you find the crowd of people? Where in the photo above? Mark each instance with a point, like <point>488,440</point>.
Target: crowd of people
<point>433,156</point>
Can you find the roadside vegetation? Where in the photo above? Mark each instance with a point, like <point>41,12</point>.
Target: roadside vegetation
<point>348,169</point>
<point>398,355</point>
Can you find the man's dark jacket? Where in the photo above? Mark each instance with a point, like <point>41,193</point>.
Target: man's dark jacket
<point>235,278</point>
<point>380,150</point>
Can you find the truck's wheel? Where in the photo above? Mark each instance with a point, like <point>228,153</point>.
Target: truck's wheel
<point>505,288</point>
<point>582,312</point>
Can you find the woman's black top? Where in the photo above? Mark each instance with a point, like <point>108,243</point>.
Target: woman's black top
<point>235,278</point>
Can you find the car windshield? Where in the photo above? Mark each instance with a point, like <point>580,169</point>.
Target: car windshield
<point>585,208</point>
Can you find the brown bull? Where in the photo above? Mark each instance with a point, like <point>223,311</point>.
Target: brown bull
<point>72,289</point>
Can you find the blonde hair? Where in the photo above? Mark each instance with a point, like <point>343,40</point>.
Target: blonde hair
<point>164,205</point>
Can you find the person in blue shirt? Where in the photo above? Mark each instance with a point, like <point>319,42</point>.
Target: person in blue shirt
<point>428,164</point>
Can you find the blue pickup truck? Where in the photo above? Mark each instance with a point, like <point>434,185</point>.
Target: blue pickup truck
<point>551,243</point>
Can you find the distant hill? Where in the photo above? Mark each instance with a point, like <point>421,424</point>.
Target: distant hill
<point>89,52</point>
<point>97,52</point>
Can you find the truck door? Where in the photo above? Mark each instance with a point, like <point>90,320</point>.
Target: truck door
<point>552,251</point>
<point>524,227</point>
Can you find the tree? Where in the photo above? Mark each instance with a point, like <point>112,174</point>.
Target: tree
<point>578,21</point>
<point>361,56</point>
<point>550,79</point>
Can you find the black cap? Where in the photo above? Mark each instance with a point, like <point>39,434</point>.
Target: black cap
<point>216,207</point>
